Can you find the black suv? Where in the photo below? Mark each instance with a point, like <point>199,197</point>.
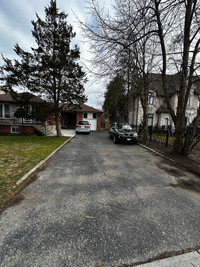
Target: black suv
<point>123,133</point>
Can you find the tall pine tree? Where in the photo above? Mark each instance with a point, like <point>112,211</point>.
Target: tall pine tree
<point>51,69</point>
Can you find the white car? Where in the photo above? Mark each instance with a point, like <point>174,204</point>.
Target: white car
<point>83,127</point>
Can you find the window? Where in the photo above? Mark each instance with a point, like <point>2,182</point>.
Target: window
<point>150,98</point>
<point>4,111</point>
<point>29,109</point>
<point>94,115</point>
<point>83,123</point>
<point>150,120</point>
<point>7,111</point>
<point>29,112</point>
<point>14,129</point>
<point>189,101</point>
<point>1,111</point>
<point>85,115</point>
<point>167,123</point>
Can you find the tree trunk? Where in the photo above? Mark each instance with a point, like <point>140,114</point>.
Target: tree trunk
<point>145,125</point>
<point>58,129</point>
<point>179,135</point>
<point>190,136</point>
<point>22,126</point>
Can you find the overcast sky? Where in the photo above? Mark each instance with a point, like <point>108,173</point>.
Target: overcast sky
<point>15,27</point>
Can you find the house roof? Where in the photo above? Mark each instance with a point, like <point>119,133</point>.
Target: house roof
<point>68,108</point>
<point>173,82</point>
<point>9,98</point>
<point>82,108</point>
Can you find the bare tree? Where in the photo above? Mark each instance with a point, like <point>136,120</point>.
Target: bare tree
<point>121,44</point>
<point>170,26</point>
<point>178,32</point>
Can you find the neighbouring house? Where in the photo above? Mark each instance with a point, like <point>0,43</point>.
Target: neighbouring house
<point>158,114</point>
<point>70,115</point>
<point>10,125</point>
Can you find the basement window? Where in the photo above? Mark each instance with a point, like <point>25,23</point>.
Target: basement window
<point>14,129</point>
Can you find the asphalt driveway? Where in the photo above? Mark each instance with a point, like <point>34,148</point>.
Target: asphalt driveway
<point>100,203</point>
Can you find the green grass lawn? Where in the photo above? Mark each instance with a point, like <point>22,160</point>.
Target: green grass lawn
<point>19,154</point>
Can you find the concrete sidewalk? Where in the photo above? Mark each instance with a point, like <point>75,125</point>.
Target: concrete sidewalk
<point>65,132</point>
<point>184,260</point>
<point>68,132</point>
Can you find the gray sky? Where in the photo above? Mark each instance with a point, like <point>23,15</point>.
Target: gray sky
<point>15,27</point>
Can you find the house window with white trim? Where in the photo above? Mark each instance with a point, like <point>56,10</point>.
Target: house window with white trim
<point>85,115</point>
<point>1,111</point>
<point>189,101</point>
<point>150,98</point>
<point>29,112</point>
<point>14,129</point>
<point>167,123</point>
<point>150,120</point>
<point>5,111</point>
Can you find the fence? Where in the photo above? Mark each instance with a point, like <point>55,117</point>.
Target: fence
<point>166,137</point>
<point>161,136</point>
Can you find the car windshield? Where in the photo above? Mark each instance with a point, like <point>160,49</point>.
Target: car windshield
<point>126,127</point>
<point>83,123</point>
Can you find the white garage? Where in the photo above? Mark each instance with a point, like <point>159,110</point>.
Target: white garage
<point>92,119</point>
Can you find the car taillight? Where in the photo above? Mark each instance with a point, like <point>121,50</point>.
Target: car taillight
<point>87,126</point>
<point>78,126</point>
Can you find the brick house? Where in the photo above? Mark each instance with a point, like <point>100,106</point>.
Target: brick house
<point>71,115</point>
<point>10,125</point>
<point>158,114</point>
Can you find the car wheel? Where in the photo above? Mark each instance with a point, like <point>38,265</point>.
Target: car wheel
<point>115,139</point>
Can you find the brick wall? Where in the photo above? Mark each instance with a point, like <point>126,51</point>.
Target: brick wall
<point>29,130</point>
<point>6,130</point>
<point>79,116</point>
<point>99,115</point>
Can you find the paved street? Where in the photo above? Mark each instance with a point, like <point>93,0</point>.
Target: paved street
<point>100,203</point>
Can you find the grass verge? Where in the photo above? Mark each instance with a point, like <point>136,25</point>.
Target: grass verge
<point>19,154</point>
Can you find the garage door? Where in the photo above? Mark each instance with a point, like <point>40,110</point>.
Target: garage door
<point>92,121</point>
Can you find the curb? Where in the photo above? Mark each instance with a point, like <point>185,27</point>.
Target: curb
<point>42,162</point>
<point>154,151</point>
<point>173,161</point>
<point>187,259</point>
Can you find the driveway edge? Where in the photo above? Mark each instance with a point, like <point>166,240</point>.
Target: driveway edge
<point>42,162</point>
<point>154,151</point>
<point>24,181</point>
<point>187,259</point>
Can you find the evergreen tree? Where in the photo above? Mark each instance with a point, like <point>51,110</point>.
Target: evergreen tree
<point>51,69</point>
<point>115,100</point>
